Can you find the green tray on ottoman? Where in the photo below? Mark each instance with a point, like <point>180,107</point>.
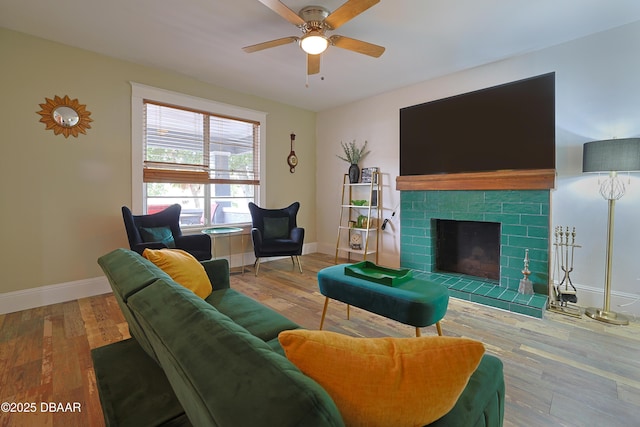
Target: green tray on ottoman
<point>367,270</point>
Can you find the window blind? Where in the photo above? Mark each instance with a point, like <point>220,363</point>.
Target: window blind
<point>196,147</point>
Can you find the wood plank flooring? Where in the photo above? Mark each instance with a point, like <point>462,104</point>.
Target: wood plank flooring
<point>559,371</point>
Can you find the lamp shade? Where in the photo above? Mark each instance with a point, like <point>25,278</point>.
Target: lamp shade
<point>314,42</point>
<point>611,155</point>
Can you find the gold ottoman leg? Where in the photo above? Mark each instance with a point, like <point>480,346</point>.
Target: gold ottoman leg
<point>324,311</point>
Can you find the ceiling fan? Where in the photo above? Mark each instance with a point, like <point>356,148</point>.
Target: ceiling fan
<point>315,22</point>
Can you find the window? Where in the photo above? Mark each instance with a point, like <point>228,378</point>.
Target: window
<point>207,160</point>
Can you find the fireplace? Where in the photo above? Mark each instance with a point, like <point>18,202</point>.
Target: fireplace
<point>523,216</point>
<point>522,220</point>
<point>468,247</point>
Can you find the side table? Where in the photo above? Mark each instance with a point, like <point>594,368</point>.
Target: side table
<point>215,232</point>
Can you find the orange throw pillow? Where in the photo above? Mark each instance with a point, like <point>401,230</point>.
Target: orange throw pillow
<point>183,268</point>
<point>385,381</point>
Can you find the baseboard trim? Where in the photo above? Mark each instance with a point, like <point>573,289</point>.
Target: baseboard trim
<point>620,302</point>
<point>11,302</point>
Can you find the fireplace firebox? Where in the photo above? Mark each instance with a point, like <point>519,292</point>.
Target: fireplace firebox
<point>468,247</point>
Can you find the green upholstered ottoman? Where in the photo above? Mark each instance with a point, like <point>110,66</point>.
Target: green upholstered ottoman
<point>413,302</point>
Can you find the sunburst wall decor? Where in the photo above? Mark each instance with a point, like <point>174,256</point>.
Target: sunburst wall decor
<point>65,116</point>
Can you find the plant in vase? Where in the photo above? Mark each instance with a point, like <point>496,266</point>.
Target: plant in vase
<point>352,155</point>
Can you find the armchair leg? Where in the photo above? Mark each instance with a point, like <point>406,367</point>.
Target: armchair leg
<point>256,265</point>
<point>299,263</point>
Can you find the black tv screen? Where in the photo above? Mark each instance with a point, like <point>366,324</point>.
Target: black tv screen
<point>506,127</point>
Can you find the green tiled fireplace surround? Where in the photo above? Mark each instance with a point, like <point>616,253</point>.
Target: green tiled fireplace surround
<point>524,219</point>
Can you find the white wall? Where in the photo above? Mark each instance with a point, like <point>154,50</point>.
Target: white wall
<point>597,97</point>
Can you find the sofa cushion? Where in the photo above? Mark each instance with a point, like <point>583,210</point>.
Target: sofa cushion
<point>218,272</point>
<point>128,272</point>
<point>275,345</point>
<point>261,321</point>
<point>183,268</point>
<point>277,246</point>
<point>386,381</point>
<point>223,375</point>
<point>482,401</point>
<point>133,389</point>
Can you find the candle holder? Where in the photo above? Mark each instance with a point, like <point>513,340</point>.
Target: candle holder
<point>526,287</point>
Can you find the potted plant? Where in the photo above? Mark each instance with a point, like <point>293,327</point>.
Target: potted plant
<point>352,155</point>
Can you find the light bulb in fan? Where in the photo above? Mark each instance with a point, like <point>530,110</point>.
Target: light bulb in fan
<point>314,42</point>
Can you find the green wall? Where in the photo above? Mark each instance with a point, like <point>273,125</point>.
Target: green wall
<point>61,198</point>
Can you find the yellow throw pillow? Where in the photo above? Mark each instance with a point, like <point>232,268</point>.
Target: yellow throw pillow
<point>183,268</point>
<point>385,381</point>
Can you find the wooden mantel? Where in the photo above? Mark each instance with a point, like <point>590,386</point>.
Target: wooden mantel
<point>530,179</point>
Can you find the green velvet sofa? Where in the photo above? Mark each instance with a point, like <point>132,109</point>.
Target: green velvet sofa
<point>218,362</point>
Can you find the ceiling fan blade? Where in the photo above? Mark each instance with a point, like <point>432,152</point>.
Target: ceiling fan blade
<point>313,64</point>
<point>270,44</point>
<point>282,10</point>
<point>347,12</point>
<point>357,45</point>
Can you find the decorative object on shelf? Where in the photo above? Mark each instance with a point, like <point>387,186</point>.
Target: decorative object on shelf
<point>355,240</point>
<point>564,292</point>
<point>612,156</point>
<point>354,173</point>
<point>359,202</point>
<point>292,159</point>
<point>65,116</point>
<point>368,173</point>
<point>352,155</point>
<point>526,287</point>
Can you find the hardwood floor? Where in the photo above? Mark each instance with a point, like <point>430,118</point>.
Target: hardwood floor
<point>559,371</point>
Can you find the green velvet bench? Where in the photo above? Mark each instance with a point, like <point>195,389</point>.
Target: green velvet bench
<point>413,302</point>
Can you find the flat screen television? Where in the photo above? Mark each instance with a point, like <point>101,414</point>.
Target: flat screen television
<point>506,127</point>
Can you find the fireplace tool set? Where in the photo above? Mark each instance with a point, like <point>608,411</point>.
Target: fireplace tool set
<point>564,293</point>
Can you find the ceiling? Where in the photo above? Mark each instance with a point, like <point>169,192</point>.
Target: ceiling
<point>424,39</point>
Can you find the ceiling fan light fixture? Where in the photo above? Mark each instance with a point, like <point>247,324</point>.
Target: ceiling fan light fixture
<point>314,42</point>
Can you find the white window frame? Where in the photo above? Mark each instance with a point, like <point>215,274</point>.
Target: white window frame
<point>140,92</point>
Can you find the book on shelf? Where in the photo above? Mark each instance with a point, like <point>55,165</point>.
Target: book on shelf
<point>367,175</point>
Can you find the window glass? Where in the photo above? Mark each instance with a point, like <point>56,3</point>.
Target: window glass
<point>207,163</point>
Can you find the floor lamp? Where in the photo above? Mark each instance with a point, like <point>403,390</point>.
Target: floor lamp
<point>612,156</point>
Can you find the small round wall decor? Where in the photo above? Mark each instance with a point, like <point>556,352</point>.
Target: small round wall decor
<point>65,116</point>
